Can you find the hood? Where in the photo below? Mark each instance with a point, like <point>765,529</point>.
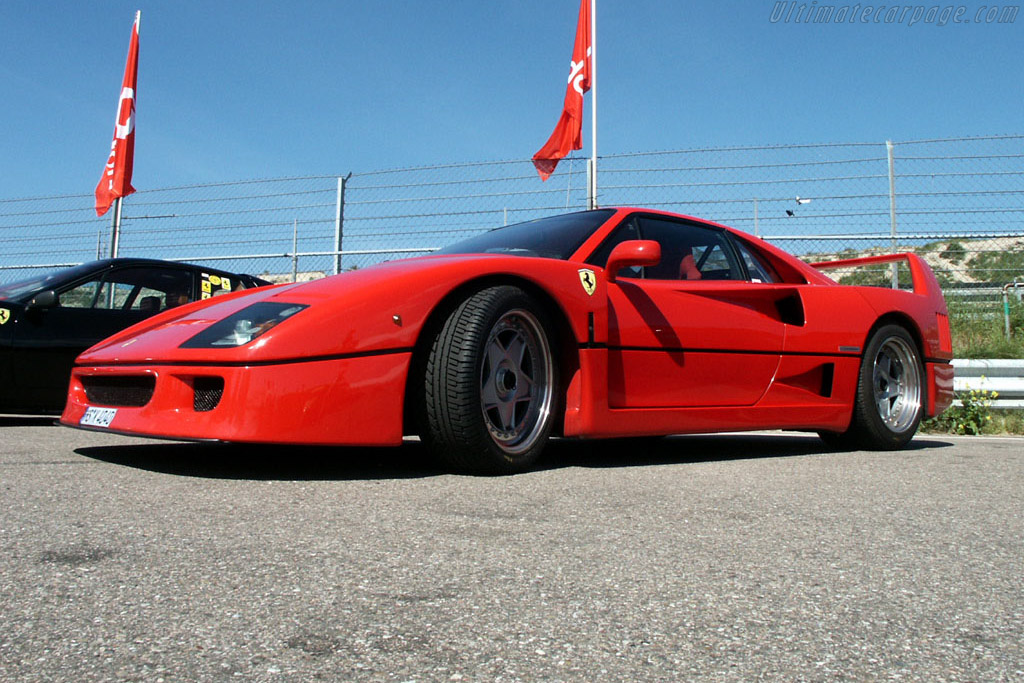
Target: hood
<point>377,309</point>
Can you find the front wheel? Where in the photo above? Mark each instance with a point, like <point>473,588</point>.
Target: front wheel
<point>890,394</point>
<point>490,384</point>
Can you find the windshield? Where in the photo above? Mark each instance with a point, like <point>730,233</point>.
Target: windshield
<point>20,289</point>
<point>556,237</point>
<point>14,290</point>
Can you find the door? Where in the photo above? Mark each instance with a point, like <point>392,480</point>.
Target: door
<point>693,330</point>
<point>48,340</point>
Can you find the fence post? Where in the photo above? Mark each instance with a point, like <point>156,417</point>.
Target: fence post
<point>757,228</point>
<point>1006,310</point>
<point>892,214</point>
<point>295,250</point>
<point>339,221</point>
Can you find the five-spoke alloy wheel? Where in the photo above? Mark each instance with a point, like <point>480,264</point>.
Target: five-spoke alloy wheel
<point>515,394</point>
<point>890,394</point>
<point>896,384</point>
<point>490,383</point>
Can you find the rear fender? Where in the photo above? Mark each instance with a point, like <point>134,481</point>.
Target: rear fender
<point>923,312</point>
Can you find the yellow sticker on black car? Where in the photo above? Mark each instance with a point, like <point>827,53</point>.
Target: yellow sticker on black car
<point>5,315</point>
<point>588,281</point>
<point>214,284</point>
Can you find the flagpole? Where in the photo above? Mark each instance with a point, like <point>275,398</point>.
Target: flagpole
<point>115,223</point>
<point>115,228</point>
<point>568,132</point>
<point>592,188</point>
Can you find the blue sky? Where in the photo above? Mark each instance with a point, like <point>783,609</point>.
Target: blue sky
<point>237,90</point>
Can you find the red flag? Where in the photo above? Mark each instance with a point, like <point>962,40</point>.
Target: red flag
<point>117,174</point>
<point>567,135</point>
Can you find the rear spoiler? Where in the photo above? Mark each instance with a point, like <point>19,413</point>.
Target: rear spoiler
<point>920,272</point>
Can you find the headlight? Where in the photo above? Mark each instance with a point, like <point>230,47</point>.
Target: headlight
<point>244,326</point>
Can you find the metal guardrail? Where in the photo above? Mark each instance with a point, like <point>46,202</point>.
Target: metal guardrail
<point>1005,377</point>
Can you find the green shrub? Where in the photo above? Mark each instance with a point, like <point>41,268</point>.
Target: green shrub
<point>1007,422</point>
<point>979,329</point>
<point>954,252</point>
<point>997,266</point>
<point>972,416</point>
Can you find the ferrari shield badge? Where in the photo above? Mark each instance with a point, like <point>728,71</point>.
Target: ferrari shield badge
<point>5,315</point>
<point>588,281</point>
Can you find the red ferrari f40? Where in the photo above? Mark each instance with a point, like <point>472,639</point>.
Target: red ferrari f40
<point>605,323</point>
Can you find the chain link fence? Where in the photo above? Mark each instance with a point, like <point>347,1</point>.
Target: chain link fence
<point>959,202</point>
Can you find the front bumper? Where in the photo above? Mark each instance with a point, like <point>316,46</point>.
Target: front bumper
<point>344,401</point>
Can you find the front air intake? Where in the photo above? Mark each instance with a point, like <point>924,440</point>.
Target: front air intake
<point>119,391</point>
<point>207,393</point>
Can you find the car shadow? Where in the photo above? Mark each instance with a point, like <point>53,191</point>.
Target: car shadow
<point>266,462</point>
<point>412,461</point>
<point>684,449</point>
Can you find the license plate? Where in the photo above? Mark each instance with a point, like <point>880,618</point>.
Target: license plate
<point>98,417</point>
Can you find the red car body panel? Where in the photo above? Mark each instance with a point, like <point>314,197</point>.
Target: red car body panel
<point>640,357</point>
<point>338,401</point>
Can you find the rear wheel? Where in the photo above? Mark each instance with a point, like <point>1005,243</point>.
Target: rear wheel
<point>890,394</point>
<point>490,384</point>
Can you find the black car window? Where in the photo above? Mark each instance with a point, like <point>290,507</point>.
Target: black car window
<point>137,288</point>
<point>14,290</point>
<point>115,295</point>
<point>215,284</point>
<point>25,289</point>
<point>80,296</point>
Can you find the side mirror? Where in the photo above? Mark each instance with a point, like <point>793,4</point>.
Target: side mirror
<point>44,299</point>
<point>632,253</point>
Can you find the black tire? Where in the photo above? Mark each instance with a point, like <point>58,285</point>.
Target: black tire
<point>891,394</point>
<point>490,384</point>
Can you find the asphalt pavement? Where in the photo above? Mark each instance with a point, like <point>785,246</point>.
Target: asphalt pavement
<point>734,557</point>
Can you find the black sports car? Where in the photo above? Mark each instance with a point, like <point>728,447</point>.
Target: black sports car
<point>46,321</point>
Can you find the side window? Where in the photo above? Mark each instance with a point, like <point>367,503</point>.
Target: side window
<point>213,284</point>
<point>758,268</point>
<point>132,289</point>
<point>172,286</point>
<point>713,259</point>
<point>689,252</point>
<point>80,296</point>
<point>149,300</point>
<point>115,294</point>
